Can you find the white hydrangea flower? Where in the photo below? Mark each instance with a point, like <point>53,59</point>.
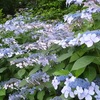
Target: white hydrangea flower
<point>89,39</point>
<point>97,90</point>
<point>97,96</point>
<point>5,86</point>
<point>68,80</point>
<point>79,92</point>
<point>65,18</point>
<point>75,41</point>
<point>79,2</point>
<point>11,86</point>
<point>55,83</point>
<point>76,1</point>
<point>1,55</point>
<point>86,15</point>
<point>72,79</point>
<point>19,65</point>
<point>67,91</point>
<point>63,44</point>
<point>68,18</point>
<point>69,1</point>
<point>87,94</point>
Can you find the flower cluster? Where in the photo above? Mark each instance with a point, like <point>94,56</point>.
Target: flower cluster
<point>37,78</point>
<point>21,94</point>
<point>88,38</point>
<point>84,14</point>
<point>13,83</point>
<point>34,59</point>
<point>78,87</point>
<point>26,43</point>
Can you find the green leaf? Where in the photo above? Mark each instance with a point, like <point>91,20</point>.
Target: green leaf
<point>69,66</point>
<point>40,95</point>
<point>64,56</point>
<point>78,54</point>
<point>61,72</point>
<point>46,68</point>
<point>79,71</point>
<point>23,82</point>
<point>82,62</point>
<point>56,68</point>
<point>49,98</point>
<point>21,72</point>
<point>74,57</point>
<point>90,73</point>
<point>2,69</point>
<point>63,98</point>
<point>34,70</point>
<point>1,97</point>
<point>97,60</point>
<point>2,92</point>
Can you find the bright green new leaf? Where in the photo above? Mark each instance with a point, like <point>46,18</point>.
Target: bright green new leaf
<point>90,73</point>
<point>82,62</point>
<point>2,92</point>
<point>40,95</point>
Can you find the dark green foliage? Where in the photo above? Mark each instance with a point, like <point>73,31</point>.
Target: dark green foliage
<point>10,6</point>
<point>2,20</point>
<point>44,9</point>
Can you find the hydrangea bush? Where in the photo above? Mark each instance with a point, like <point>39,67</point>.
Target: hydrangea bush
<point>53,60</point>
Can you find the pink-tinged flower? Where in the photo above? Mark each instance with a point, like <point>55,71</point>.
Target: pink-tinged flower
<point>55,83</point>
